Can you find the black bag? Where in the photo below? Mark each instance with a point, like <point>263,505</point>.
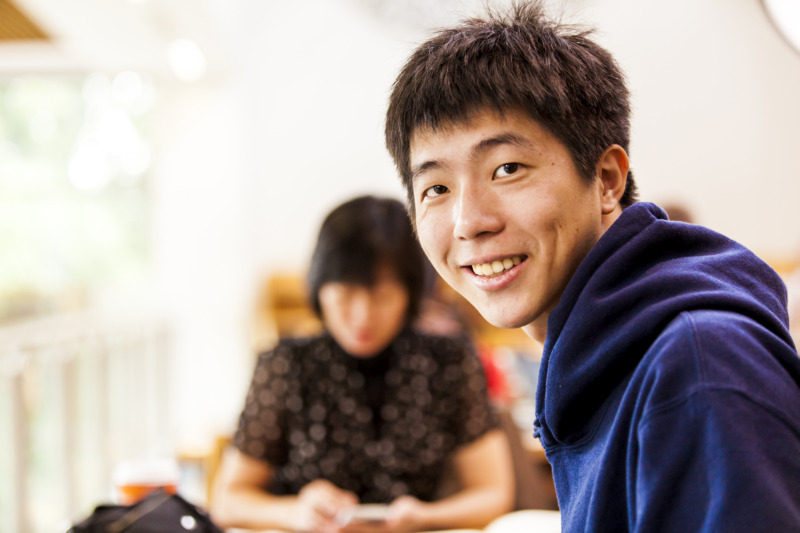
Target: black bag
<point>158,512</point>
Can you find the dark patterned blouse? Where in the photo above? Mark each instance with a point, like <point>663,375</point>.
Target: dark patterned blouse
<point>380,427</point>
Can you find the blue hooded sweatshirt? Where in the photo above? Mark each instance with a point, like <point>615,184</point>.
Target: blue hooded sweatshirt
<point>669,388</point>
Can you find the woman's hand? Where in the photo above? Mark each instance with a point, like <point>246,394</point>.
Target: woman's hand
<point>318,503</point>
<point>405,514</point>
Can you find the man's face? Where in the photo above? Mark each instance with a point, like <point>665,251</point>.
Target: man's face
<point>503,215</point>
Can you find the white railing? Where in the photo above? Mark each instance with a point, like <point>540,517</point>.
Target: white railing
<point>78,393</point>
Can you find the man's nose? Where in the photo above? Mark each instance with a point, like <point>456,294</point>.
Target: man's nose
<point>476,213</point>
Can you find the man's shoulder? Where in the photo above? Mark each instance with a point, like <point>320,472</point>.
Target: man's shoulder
<point>723,327</point>
<point>719,350</point>
<point>714,333</point>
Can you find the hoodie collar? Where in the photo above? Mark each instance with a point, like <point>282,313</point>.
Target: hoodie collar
<point>642,273</point>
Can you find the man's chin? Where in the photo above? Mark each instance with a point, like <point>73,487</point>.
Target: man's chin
<point>504,320</point>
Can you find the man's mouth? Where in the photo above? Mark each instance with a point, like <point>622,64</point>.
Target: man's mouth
<point>496,267</point>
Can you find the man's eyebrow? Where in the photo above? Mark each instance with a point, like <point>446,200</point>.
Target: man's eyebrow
<point>500,139</point>
<point>418,170</point>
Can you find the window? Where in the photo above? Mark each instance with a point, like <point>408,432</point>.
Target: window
<point>74,162</point>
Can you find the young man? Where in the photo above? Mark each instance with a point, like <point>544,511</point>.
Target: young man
<point>668,395</point>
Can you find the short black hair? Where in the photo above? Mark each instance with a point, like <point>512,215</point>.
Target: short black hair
<point>359,237</point>
<point>507,62</point>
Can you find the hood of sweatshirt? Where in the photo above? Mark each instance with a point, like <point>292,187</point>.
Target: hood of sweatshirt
<point>642,273</point>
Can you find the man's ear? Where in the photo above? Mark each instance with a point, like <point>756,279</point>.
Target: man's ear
<point>612,168</point>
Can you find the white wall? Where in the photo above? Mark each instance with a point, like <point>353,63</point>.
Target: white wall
<point>254,161</point>
<point>204,262</point>
<point>715,113</point>
<point>319,91</point>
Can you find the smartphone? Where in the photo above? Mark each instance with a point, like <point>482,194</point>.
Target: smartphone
<point>364,513</point>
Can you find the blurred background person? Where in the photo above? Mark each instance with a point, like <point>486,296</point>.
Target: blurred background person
<point>679,212</point>
<point>371,410</point>
<point>792,279</point>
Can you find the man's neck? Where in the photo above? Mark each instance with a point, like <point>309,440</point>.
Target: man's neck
<point>537,330</point>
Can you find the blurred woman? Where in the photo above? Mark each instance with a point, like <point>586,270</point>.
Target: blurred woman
<point>370,411</point>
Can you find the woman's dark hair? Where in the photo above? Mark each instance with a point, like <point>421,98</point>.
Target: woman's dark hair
<point>519,61</point>
<point>361,236</point>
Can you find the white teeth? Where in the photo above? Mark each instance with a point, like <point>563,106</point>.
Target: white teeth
<point>495,267</point>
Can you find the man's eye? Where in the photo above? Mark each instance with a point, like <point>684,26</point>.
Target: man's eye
<point>434,191</point>
<point>506,169</point>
